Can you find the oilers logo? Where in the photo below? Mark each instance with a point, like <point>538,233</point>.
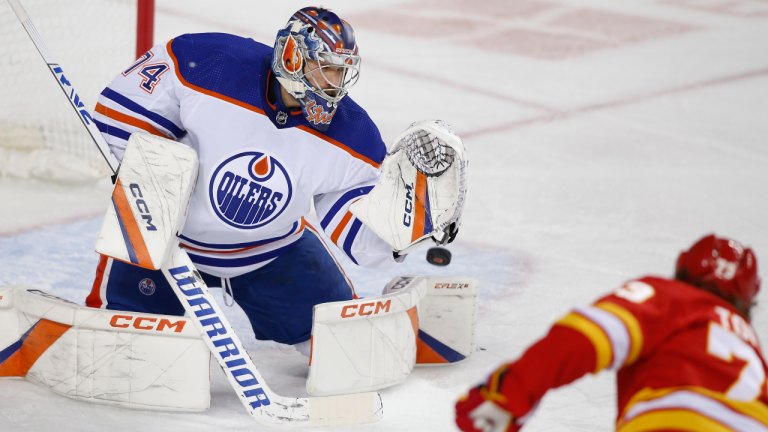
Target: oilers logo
<point>249,190</point>
<point>147,286</point>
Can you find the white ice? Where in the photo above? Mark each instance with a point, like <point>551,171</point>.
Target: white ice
<point>604,137</point>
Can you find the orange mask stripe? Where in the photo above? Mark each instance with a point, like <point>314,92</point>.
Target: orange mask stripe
<point>132,121</point>
<point>421,198</point>
<point>37,342</point>
<point>134,233</point>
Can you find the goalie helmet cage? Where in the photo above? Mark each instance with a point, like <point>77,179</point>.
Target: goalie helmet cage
<point>94,40</point>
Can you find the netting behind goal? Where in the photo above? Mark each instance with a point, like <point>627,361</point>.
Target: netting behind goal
<point>40,134</point>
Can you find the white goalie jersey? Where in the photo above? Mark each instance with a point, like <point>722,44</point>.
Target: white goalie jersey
<point>260,166</point>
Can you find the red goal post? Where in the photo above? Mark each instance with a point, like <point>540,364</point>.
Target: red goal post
<point>145,26</point>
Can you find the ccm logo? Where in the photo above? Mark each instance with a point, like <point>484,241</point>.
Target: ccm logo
<point>408,206</point>
<point>142,206</point>
<point>146,323</point>
<point>365,309</point>
<point>451,286</point>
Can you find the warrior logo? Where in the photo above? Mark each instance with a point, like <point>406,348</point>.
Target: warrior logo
<point>249,190</point>
<point>147,287</point>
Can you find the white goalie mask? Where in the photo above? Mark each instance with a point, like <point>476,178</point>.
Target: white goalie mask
<point>316,60</point>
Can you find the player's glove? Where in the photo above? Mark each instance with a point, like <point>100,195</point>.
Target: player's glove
<point>477,412</point>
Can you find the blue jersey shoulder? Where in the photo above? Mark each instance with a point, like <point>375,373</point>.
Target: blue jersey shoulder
<point>222,63</point>
<point>352,127</point>
<point>233,66</point>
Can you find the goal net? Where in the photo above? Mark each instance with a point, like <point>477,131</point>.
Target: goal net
<point>40,134</point>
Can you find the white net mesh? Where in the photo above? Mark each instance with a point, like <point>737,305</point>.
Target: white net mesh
<point>93,40</point>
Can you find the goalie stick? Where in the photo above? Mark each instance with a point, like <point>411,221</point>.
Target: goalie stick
<point>265,406</point>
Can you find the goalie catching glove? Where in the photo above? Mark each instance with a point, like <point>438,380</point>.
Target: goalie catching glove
<point>422,189</point>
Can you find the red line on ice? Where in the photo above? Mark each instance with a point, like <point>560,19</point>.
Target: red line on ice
<point>615,103</point>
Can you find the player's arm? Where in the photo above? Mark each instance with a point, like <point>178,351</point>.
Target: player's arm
<point>512,391</point>
<point>142,98</point>
<point>347,232</point>
<point>607,334</point>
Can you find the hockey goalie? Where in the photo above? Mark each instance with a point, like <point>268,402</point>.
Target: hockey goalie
<point>224,143</point>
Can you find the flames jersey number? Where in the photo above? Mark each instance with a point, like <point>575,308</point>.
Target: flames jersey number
<point>725,345</point>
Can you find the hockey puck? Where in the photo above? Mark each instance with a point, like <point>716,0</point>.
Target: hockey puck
<point>439,256</point>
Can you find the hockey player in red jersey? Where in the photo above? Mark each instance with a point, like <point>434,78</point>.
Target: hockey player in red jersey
<point>686,357</point>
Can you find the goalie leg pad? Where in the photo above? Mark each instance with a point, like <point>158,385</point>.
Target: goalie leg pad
<point>143,361</point>
<point>373,343</point>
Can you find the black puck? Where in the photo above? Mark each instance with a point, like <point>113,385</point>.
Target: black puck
<point>439,256</point>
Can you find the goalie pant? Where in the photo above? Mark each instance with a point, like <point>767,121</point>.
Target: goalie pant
<point>685,359</point>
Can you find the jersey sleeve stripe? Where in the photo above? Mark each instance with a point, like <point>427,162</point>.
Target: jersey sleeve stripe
<point>339,228</point>
<point>123,118</point>
<point>675,419</point>
<point>633,326</point>
<point>596,335</point>
<point>341,202</point>
<point>140,110</point>
<point>700,399</point>
<point>351,238</point>
<point>112,130</point>
<point>613,327</point>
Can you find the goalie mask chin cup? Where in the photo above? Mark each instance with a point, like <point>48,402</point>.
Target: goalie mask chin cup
<point>316,61</point>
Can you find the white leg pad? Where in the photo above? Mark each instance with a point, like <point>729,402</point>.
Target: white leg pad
<point>369,344</point>
<point>127,359</point>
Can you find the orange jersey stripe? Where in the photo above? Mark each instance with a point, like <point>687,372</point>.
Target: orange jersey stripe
<point>131,227</point>
<point>354,154</point>
<point>123,118</point>
<point>421,202</point>
<point>205,91</point>
<point>37,342</point>
<point>260,111</point>
<point>340,228</point>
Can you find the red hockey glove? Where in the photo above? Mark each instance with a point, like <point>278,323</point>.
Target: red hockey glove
<point>476,413</point>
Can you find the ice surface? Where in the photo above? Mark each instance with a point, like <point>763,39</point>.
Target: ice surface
<point>604,138</point>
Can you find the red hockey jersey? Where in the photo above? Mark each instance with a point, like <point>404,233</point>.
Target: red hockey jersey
<point>686,360</point>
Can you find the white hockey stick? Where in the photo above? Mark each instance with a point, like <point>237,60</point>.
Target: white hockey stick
<point>65,85</point>
<point>262,403</point>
